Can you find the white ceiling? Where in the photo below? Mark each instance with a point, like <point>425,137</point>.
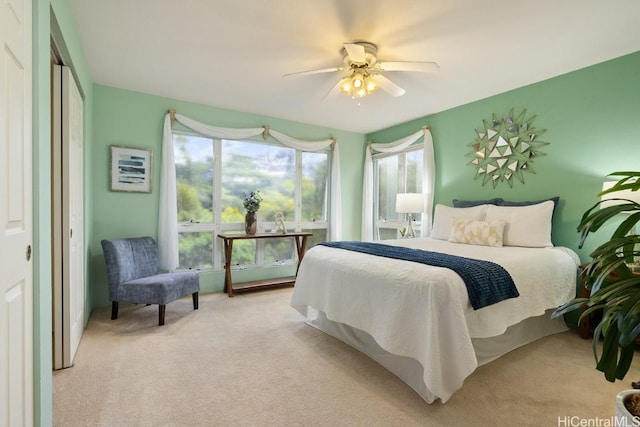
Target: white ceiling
<point>233,53</point>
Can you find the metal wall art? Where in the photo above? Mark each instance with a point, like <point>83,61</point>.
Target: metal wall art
<point>505,148</point>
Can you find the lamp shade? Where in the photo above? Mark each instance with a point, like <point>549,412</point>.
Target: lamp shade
<point>409,202</point>
<point>623,194</point>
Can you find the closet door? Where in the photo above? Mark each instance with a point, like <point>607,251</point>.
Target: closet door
<point>68,206</point>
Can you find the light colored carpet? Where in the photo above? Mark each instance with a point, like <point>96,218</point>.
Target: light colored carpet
<point>251,361</point>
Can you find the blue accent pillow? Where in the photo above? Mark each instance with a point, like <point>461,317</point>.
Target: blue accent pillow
<point>555,201</point>
<point>471,203</point>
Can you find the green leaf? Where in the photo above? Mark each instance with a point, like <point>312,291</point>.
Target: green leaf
<point>624,362</point>
<point>609,358</point>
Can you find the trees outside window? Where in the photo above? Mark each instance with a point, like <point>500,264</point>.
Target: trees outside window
<point>212,177</point>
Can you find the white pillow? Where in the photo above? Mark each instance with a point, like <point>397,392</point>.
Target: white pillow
<point>443,215</point>
<point>528,226</point>
<point>485,233</point>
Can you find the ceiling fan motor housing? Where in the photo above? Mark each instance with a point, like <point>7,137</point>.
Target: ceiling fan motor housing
<point>370,55</point>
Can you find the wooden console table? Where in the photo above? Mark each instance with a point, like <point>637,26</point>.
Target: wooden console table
<point>228,239</point>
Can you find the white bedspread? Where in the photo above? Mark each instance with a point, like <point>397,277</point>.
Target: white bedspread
<point>423,312</point>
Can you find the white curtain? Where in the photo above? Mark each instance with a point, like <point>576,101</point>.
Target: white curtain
<point>428,178</point>
<point>168,216</point>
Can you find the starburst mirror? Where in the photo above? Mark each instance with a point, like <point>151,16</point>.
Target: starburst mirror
<point>505,148</point>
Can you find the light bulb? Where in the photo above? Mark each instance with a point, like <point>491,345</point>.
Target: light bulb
<point>345,87</point>
<point>370,85</point>
<point>360,93</point>
<point>357,80</point>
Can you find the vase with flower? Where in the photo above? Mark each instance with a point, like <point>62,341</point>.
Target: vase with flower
<point>251,203</point>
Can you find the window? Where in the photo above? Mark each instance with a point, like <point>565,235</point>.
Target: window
<point>393,174</point>
<point>212,176</point>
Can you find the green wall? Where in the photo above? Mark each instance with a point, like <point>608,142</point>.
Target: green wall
<point>133,119</point>
<point>592,117</point>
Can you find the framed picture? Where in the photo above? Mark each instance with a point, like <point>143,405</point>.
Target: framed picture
<point>131,169</point>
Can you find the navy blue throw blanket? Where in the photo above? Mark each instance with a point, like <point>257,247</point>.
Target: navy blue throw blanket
<point>487,282</point>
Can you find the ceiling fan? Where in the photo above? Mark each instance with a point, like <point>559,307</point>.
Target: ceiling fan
<point>362,73</point>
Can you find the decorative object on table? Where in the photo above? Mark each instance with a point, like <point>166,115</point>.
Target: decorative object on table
<point>251,203</point>
<point>278,226</point>
<point>614,288</point>
<point>409,203</point>
<point>506,147</point>
<point>130,169</point>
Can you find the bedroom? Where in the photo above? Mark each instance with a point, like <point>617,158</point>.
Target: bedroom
<point>591,117</point>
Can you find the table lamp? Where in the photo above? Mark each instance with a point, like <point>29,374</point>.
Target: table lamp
<point>410,203</point>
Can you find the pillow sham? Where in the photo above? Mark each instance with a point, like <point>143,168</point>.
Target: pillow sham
<point>470,203</point>
<point>443,215</point>
<point>528,226</point>
<point>555,201</point>
<point>485,233</point>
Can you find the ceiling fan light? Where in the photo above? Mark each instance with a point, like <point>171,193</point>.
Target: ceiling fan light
<point>357,81</point>
<point>360,93</point>
<point>370,85</point>
<point>345,86</point>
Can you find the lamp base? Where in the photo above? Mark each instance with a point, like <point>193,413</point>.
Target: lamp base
<point>410,234</point>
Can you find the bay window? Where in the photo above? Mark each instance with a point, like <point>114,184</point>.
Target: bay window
<point>212,177</point>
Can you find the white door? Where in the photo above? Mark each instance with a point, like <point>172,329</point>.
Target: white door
<point>16,275</point>
<point>68,219</point>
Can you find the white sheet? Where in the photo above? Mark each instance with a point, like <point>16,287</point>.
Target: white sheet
<point>423,312</point>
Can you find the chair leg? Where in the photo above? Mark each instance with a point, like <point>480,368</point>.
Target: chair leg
<point>114,310</point>
<point>195,300</point>
<point>161,310</point>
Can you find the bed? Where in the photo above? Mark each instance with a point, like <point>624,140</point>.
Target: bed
<point>417,320</point>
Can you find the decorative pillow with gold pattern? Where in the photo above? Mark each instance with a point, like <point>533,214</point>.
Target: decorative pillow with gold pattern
<point>485,233</point>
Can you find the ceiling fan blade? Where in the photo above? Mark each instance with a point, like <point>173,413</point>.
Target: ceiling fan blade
<point>334,91</point>
<point>388,86</point>
<point>322,70</point>
<point>416,66</point>
<point>356,53</point>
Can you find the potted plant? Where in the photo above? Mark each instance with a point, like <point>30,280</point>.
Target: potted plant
<point>251,203</point>
<point>614,288</point>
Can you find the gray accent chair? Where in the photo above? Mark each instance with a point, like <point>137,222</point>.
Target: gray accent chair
<point>133,276</point>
